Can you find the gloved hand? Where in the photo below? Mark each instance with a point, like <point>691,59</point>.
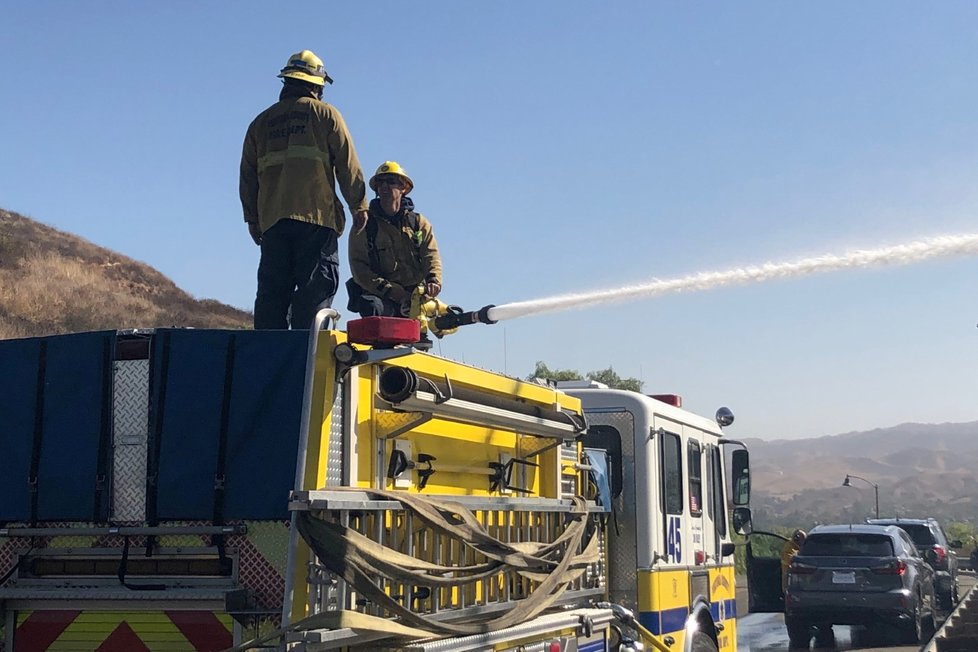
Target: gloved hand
<point>255,232</point>
<point>360,221</point>
<point>397,293</point>
<point>432,288</point>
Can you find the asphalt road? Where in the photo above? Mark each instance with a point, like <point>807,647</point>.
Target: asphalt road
<point>766,632</point>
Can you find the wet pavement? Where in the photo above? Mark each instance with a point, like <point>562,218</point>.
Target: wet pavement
<point>766,632</point>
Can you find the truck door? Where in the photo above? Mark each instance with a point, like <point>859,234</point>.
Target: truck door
<point>764,572</point>
<point>716,505</point>
<point>671,491</point>
<point>701,529</point>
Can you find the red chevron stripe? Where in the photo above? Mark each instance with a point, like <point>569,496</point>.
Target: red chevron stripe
<point>202,628</point>
<point>41,629</point>
<point>122,639</point>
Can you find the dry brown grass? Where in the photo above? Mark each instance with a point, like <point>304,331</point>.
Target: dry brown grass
<point>54,282</point>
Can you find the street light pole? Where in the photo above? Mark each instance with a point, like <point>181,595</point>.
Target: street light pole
<point>876,489</point>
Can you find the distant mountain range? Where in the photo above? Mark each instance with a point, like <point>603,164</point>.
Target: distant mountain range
<point>921,470</point>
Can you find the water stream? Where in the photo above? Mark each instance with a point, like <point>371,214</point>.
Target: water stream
<point>903,254</point>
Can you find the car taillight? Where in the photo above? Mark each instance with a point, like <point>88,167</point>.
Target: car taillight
<point>797,568</point>
<point>895,567</point>
<point>941,554</point>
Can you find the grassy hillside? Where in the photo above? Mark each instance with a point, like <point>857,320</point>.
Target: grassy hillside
<point>54,282</point>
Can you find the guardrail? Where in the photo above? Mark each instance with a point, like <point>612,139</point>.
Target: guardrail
<point>959,633</point>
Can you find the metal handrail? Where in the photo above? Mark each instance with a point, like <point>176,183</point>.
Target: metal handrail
<point>322,317</point>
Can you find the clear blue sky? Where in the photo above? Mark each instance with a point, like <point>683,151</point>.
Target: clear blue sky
<point>560,147</point>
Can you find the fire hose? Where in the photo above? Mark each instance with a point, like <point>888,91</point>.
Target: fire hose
<point>360,561</point>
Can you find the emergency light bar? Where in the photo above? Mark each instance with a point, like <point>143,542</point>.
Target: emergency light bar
<point>671,399</point>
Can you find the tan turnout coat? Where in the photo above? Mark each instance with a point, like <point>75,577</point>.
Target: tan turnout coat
<point>406,258</point>
<point>294,153</point>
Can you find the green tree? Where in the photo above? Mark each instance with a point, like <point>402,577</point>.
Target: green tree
<point>545,372</point>
<point>607,376</point>
<point>963,532</point>
<point>613,380</point>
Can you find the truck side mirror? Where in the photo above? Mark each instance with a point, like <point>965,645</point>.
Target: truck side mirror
<point>741,520</point>
<point>740,465</point>
<point>727,549</point>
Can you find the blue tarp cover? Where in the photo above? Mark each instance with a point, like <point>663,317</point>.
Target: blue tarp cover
<point>189,381</point>
<point>18,398</point>
<point>75,425</point>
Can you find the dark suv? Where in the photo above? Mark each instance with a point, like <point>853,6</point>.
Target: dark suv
<point>869,575</point>
<point>927,534</point>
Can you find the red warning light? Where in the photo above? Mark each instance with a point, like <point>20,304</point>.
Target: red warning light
<point>671,399</point>
<point>383,331</point>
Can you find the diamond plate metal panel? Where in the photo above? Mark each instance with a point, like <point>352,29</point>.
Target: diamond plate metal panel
<point>9,549</point>
<point>130,417</point>
<point>622,547</point>
<point>262,561</point>
<point>334,464</point>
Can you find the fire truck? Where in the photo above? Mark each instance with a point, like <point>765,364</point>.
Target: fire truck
<point>204,490</point>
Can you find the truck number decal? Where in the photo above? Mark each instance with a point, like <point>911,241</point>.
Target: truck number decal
<point>674,543</point>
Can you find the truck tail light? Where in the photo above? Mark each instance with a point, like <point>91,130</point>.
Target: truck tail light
<point>896,567</point>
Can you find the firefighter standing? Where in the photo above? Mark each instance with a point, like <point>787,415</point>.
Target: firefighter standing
<point>294,153</point>
<point>396,253</point>
<point>788,552</point>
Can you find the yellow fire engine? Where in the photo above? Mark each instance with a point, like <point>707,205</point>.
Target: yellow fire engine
<point>180,489</point>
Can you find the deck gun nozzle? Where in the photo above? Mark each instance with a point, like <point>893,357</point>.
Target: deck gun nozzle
<point>456,317</point>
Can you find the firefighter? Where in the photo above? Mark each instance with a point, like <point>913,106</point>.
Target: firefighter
<point>294,153</point>
<point>396,253</point>
<point>788,552</point>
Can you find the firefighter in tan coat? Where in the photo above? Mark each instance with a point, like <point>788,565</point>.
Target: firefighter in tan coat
<point>788,552</point>
<point>295,152</point>
<point>396,254</point>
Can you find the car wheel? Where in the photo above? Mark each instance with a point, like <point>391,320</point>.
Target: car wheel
<point>799,633</point>
<point>824,637</point>
<point>914,630</point>
<point>703,643</point>
<point>948,600</point>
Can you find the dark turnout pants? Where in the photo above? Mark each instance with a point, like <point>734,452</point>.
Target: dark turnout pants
<point>299,268</point>
<point>374,306</point>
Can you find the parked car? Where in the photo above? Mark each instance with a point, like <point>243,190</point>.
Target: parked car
<point>927,534</point>
<point>861,574</point>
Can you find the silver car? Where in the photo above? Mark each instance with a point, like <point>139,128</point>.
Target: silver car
<point>868,575</point>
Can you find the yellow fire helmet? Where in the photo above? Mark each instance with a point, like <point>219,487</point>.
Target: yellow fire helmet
<point>391,167</point>
<point>306,66</point>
